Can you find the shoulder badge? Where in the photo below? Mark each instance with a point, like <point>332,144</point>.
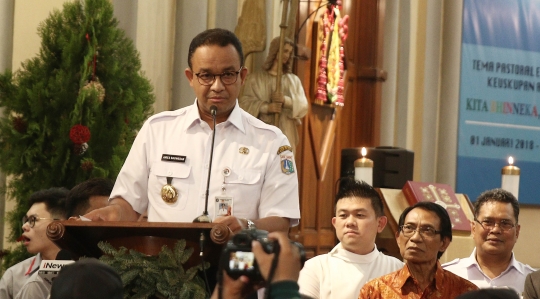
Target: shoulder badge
<point>283,148</point>
<point>287,165</point>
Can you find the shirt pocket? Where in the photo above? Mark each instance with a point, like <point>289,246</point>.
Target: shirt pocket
<point>245,187</point>
<point>179,174</point>
<point>245,176</point>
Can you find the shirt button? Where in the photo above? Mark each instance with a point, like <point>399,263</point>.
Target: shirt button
<point>240,177</point>
<point>169,172</point>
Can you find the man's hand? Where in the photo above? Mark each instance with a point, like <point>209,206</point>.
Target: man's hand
<point>233,289</point>
<point>276,102</point>
<point>269,224</point>
<point>117,210</point>
<point>289,265</point>
<point>273,108</point>
<point>234,224</point>
<point>277,97</point>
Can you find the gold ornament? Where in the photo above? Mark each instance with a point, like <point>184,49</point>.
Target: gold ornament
<point>169,194</point>
<point>97,88</point>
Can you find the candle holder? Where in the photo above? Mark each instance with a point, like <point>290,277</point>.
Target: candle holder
<point>510,177</point>
<point>363,168</point>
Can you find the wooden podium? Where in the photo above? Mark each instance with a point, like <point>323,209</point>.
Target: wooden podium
<point>82,237</point>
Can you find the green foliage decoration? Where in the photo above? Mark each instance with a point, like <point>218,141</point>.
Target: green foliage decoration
<point>87,73</point>
<point>161,276</point>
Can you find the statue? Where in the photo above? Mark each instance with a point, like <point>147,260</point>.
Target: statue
<point>260,99</point>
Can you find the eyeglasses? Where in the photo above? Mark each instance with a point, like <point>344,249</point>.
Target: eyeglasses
<point>490,224</point>
<point>227,78</point>
<point>32,220</point>
<point>408,231</point>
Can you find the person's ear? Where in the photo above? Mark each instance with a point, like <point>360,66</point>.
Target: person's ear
<point>189,75</point>
<point>382,221</point>
<point>243,74</point>
<point>445,242</point>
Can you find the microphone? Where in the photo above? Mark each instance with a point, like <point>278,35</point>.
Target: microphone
<point>49,269</point>
<point>204,218</point>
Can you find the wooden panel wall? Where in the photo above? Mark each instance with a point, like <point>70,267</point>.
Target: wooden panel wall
<point>328,130</point>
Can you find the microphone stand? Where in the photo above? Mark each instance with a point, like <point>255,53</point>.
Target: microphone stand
<point>204,218</point>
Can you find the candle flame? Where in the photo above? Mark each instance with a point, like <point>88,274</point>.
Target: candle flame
<point>510,160</point>
<point>363,152</point>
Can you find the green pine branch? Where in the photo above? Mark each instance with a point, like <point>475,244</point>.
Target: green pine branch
<point>162,276</point>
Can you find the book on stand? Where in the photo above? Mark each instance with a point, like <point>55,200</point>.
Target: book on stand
<point>441,194</point>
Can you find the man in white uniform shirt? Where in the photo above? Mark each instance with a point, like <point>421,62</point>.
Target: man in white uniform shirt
<point>252,171</point>
<point>343,271</point>
<point>495,231</point>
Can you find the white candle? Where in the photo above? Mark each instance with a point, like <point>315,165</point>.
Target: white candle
<point>510,178</point>
<point>363,168</point>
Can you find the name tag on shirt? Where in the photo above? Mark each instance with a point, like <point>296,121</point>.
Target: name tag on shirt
<point>173,158</point>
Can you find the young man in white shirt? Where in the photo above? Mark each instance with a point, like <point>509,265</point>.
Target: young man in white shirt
<point>343,271</point>
<point>45,206</point>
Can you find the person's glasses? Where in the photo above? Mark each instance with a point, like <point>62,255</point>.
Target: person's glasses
<point>227,78</point>
<point>408,231</point>
<point>489,224</point>
<point>32,220</point>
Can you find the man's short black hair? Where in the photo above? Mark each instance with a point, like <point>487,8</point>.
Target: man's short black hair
<point>54,200</point>
<point>78,198</point>
<point>496,195</point>
<point>348,187</point>
<point>87,278</point>
<point>217,36</point>
<point>446,224</point>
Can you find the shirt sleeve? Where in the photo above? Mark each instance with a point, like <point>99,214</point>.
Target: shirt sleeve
<point>298,97</point>
<point>253,95</point>
<point>284,289</point>
<point>6,285</point>
<point>309,280</point>
<point>530,291</point>
<point>279,195</point>
<point>33,290</point>
<point>132,181</point>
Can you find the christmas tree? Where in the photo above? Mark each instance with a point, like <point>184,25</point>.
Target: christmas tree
<point>71,113</point>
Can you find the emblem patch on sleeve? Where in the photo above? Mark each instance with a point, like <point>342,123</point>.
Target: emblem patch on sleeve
<point>287,165</point>
<point>283,148</point>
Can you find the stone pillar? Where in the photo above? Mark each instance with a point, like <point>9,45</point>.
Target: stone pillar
<point>6,57</point>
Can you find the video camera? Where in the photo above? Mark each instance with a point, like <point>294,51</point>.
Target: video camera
<point>238,259</point>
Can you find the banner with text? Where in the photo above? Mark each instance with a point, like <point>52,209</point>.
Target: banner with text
<point>499,96</point>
